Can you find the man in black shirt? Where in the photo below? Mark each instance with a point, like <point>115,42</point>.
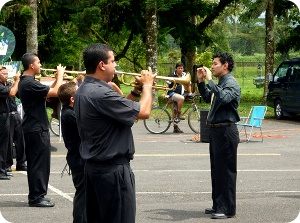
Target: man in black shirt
<point>5,92</point>
<point>104,120</point>
<point>72,142</point>
<point>16,132</point>
<point>223,133</point>
<point>36,128</point>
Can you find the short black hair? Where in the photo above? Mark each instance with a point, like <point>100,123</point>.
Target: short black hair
<point>179,64</point>
<point>94,54</point>
<point>66,91</point>
<point>27,59</point>
<point>225,58</point>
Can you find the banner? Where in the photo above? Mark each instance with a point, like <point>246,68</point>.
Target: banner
<point>7,44</point>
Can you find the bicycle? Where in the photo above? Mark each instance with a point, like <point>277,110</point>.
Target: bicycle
<point>160,118</point>
<point>54,126</point>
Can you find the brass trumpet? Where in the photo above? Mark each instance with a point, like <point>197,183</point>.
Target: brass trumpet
<point>66,71</point>
<point>66,77</point>
<point>181,80</point>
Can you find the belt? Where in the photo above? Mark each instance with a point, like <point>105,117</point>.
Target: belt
<point>218,125</point>
<point>12,113</point>
<point>116,160</point>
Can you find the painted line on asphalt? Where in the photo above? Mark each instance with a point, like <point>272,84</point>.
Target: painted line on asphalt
<point>187,154</point>
<point>55,190</point>
<point>209,192</point>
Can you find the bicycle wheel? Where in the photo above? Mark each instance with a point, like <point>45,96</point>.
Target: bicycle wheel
<point>194,119</point>
<point>54,126</point>
<point>159,121</point>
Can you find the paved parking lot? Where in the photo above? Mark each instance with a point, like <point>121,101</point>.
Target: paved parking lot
<point>173,179</point>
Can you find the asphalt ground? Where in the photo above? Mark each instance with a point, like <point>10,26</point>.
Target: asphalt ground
<point>173,179</point>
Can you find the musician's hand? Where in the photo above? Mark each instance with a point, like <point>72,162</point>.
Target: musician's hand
<point>207,73</point>
<point>200,74</point>
<point>17,76</point>
<point>60,70</point>
<point>147,78</point>
<point>163,95</point>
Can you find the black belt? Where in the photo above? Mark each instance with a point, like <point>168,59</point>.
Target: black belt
<point>116,160</point>
<point>218,125</point>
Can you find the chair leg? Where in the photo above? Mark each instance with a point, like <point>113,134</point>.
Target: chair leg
<point>262,138</point>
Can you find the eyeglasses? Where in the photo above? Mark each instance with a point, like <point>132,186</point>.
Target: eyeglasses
<point>5,73</point>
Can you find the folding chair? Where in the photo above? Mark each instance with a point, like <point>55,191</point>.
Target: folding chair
<point>254,120</point>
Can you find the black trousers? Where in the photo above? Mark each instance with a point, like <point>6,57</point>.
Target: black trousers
<point>16,136</point>
<point>4,140</point>
<point>38,151</point>
<point>223,159</point>
<point>79,210</point>
<point>110,193</point>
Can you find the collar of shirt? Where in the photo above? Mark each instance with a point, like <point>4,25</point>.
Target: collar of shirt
<point>94,80</point>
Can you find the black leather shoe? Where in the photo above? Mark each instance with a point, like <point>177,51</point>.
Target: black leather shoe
<point>220,216</point>
<point>209,210</point>
<point>42,203</point>
<point>4,178</point>
<point>21,168</point>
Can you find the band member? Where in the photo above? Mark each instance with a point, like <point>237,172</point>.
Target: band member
<point>36,128</point>
<point>104,120</point>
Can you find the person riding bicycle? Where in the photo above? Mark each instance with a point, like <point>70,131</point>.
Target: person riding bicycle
<point>176,95</point>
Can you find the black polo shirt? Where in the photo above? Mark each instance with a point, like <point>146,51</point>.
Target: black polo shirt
<point>32,94</point>
<point>71,138</point>
<point>4,92</point>
<point>104,120</point>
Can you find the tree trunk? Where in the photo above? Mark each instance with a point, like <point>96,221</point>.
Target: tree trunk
<point>270,45</point>
<point>151,42</point>
<point>31,29</point>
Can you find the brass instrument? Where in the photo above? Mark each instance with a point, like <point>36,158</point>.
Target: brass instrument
<point>181,80</point>
<point>66,71</point>
<point>66,77</point>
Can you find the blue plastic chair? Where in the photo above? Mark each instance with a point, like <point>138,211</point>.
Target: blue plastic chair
<point>254,120</point>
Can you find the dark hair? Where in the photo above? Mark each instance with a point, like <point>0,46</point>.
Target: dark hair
<point>66,91</point>
<point>93,55</point>
<point>225,58</point>
<point>179,64</point>
<point>27,59</point>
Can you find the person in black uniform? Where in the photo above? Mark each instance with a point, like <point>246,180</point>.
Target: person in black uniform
<point>5,92</point>
<point>223,133</point>
<point>36,128</point>
<point>104,120</point>
<point>15,134</point>
<point>72,142</point>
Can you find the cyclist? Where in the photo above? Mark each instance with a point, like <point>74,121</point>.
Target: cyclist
<point>177,95</point>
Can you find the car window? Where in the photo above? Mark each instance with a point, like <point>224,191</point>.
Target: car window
<point>281,73</point>
<point>296,73</point>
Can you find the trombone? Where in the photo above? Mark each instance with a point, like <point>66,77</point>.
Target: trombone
<point>181,80</point>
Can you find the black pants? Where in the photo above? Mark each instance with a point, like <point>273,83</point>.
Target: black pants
<point>16,136</point>
<point>223,159</point>
<point>38,151</point>
<point>79,210</point>
<point>4,134</point>
<point>110,193</point>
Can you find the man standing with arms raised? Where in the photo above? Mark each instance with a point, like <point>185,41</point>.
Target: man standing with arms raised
<point>104,119</point>
<point>36,128</point>
<point>223,133</point>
